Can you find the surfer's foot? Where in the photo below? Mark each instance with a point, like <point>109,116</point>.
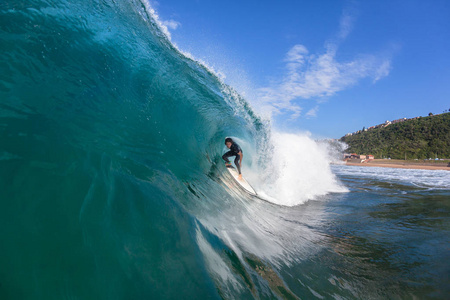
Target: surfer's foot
<point>240,177</point>
<point>228,164</point>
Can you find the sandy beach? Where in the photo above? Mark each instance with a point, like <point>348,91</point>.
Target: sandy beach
<point>384,163</point>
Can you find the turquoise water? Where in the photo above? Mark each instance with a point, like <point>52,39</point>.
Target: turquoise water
<point>112,186</point>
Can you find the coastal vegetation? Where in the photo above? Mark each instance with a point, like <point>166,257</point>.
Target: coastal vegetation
<point>419,138</point>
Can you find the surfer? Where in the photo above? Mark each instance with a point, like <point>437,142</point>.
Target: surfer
<point>235,150</point>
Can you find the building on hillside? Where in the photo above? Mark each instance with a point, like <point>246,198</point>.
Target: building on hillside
<point>399,120</point>
<point>362,157</point>
<point>347,156</point>
<point>370,157</point>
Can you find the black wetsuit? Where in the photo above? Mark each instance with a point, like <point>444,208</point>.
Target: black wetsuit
<point>234,150</point>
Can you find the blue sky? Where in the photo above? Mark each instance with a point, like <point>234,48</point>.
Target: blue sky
<point>326,67</point>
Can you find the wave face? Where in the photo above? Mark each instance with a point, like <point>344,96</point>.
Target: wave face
<point>111,179</point>
<point>109,143</point>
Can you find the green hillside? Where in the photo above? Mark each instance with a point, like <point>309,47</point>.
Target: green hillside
<point>426,137</point>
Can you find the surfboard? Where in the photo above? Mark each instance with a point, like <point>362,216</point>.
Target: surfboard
<point>242,182</point>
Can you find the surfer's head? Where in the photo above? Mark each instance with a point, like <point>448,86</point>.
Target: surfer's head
<point>228,142</point>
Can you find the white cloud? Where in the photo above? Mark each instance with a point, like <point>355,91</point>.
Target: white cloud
<point>345,24</point>
<point>382,71</point>
<point>171,24</point>
<point>312,113</point>
<point>320,75</point>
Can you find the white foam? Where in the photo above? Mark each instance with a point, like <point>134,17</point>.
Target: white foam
<point>216,264</point>
<point>298,171</point>
<point>435,179</point>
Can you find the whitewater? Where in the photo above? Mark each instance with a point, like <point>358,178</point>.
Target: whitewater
<point>112,184</point>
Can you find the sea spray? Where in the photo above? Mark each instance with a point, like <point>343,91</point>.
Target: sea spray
<point>335,150</point>
<point>298,171</point>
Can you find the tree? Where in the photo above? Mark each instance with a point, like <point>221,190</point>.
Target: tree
<point>418,138</point>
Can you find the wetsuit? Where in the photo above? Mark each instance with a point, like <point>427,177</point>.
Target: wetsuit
<point>234,150</point>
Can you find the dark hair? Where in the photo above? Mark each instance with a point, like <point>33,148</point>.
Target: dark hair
<point>228,140</point>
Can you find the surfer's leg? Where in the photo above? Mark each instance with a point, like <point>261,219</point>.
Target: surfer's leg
<point>226,155</point>
<point>236,162</point>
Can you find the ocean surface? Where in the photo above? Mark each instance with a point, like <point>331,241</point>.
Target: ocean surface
<point>112,184</point>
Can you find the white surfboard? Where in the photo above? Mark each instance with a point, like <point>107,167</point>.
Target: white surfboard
<point>242,182</point>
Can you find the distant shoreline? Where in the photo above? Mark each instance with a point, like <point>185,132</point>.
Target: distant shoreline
<point>399,164</point>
